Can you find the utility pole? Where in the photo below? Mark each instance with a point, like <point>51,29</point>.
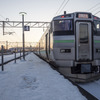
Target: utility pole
<point>23,37</point>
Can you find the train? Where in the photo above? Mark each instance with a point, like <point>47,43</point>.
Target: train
<point>72,42</point>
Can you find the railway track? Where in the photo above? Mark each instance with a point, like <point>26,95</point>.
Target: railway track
<point>83,91</point>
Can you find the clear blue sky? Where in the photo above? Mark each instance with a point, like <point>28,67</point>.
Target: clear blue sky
<point>39,10</point>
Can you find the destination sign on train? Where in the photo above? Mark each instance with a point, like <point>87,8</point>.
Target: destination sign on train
<point>82,15</point>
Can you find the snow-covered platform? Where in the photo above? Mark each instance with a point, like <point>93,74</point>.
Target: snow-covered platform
<point>33,79</point>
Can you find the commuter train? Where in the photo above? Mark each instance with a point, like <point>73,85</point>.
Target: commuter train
<point>72,42</point>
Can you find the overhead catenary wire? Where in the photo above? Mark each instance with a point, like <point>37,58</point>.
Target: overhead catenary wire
<point>63,6</point>
<point>96,12</point>
<point>93,7</point>
<point>2,17</point>
<point>60,7</point>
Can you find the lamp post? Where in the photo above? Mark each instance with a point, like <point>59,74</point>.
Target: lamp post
<point>23,37</point>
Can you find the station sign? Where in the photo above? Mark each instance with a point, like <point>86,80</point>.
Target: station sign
<point>26,28</point>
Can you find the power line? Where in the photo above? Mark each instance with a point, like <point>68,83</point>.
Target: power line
<point>93,7</point>
<point>96,12</point>
<point>60,7</point>
<point>64,6</point>
<point>2,17</point>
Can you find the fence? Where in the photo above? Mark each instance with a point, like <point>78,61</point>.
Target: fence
<point>14,57</point>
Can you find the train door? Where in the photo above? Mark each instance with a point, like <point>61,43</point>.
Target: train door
<point>83,41</point>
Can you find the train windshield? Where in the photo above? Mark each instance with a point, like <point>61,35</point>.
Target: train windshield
<point>63,27</point>
<point>97,27</point>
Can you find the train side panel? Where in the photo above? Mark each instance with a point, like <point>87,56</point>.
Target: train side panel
<point>64,50</point>
<point>96,50</point>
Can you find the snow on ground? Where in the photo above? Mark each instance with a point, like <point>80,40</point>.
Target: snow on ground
<point>93,88</point>
<point>11,56</point>
<point>33,79</point>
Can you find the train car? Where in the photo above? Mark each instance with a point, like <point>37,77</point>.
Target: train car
<point>73,43</point>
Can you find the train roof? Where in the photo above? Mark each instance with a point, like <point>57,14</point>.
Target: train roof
<point>59,16</point>
<point>71,15</point>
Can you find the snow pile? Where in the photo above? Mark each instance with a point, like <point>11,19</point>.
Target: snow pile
<point>33,79</point>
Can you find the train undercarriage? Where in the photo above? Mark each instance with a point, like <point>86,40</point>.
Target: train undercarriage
<point>80,75</point>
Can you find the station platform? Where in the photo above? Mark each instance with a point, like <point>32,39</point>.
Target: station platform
<point>34,79</point>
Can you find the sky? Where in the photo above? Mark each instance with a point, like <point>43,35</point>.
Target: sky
<point>38,10</point>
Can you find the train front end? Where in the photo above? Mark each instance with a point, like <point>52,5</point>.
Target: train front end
<point>77,45</point>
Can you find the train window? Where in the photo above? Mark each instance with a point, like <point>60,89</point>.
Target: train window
<point>97,27</point>
<point>83,33</point>
<point>63,25</point>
